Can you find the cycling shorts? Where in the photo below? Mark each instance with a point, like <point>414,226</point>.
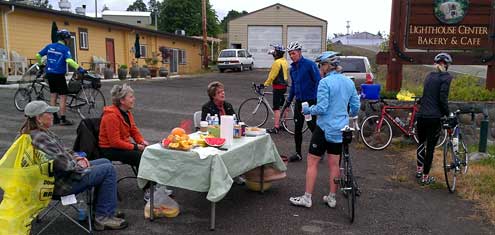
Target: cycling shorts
<point>57,83</point>
<point>319,144</point>
<point>278,98</point>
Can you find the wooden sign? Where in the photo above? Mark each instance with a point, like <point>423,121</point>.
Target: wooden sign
<point>448,24</point>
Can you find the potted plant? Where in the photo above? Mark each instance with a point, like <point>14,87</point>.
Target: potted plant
<point>144,71</point>
<point>122,73</point>
<point>3,79</point>
<point>163,72</point>
<point>134,70</point>
<point>152,64</point>
<point>108,72</point>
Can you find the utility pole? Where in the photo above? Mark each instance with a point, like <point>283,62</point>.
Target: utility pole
<point>348,26</point>
<point>96,9</point>
<point>205,39</point>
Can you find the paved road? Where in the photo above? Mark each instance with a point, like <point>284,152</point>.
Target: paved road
<point>385,207</point>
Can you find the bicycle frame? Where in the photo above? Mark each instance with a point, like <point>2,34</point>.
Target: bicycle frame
<point>384,114</point>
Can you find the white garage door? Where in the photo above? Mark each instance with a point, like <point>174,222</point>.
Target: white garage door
<point>309,37</point>
<point>259,40</point>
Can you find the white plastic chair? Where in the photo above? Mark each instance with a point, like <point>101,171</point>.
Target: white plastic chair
<point>3,61</point>
<point>19,63</point>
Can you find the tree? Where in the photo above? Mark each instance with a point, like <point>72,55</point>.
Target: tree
<point>186,15</point>
<point>37,3</point>
<point>379,34</point>
<point>138,5</point>
<point>153,7</point>
<point>105,8</point>
<point>231,15</point>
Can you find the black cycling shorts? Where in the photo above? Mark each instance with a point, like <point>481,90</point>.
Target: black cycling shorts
<point>57,83</point>
<point>319,144</point>
<point>278,98</point>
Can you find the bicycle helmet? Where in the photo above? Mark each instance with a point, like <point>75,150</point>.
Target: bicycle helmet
<point>443,57</point>
<point>330,57</point>
<point>295,45</point>
<point>277,51</point>
<point>63,34</point>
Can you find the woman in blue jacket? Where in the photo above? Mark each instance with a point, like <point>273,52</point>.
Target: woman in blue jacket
<point>336,93</point>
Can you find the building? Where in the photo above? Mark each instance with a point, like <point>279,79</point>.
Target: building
<point>277,24</point>
<point>358,39</point>
<point>136,18</point>
<point>25,29</point>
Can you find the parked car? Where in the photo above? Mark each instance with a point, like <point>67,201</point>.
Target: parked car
<point>358,68</point>
<point>235,59</point>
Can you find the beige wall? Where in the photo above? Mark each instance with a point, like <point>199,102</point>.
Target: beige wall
<point>30,31</point>
<point>145,20</point>
<point>272,16</point>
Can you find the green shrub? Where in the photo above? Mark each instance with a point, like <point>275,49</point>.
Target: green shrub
<point>388,94</point>
<point>467,88</point>
<point>123,66</point>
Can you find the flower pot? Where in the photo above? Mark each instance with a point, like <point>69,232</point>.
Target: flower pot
<point>144,72</point>
<point>107,74</point>
<point>122,74</point>
<point>153,71</point>
<point>163,72</point>
<point>134,72</point>
<point>3,80</point>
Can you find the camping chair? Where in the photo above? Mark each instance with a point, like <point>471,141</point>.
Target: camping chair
<point>197,119</point>
<point>87,141</point>
<point>56,206</point>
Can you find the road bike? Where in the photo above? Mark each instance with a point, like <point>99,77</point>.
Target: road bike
<point>376,131</point>
<point>347,182</point>
<point>455,153</point>
<point>255,111</point>
<point>31,87</point>
<point>84,96</point>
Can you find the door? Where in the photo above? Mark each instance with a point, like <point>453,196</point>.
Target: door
<point>309,37</point>
<point>259,40</point>
<point>72,47</point>
<point>109,44</point>
<point>174,61</point>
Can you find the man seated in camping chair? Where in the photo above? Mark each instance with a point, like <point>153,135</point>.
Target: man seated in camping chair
<point>74,174</point>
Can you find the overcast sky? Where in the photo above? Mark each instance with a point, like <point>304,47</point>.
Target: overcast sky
<point>364,15</point>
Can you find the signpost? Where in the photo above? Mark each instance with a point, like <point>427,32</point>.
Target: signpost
<point>420,29</point>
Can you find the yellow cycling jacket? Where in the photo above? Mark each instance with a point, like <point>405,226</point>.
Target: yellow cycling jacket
<point>279,73</point>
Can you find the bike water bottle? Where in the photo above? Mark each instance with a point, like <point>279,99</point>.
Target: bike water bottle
<point>397,119</point>
<point>307,117</point>
<point>81,209</point>
<point>208,118</point>
<point>455,144</point>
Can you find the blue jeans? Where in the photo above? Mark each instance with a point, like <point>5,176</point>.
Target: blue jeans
<point>103,178</point>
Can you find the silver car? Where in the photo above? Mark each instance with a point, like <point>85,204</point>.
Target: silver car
<point>358,68</point>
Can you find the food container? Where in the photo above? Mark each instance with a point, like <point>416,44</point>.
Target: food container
<point>214,130</point>
<point>203,127</point>
<point>255,131</point>
<point>237,131</point>
<point>243,128</point>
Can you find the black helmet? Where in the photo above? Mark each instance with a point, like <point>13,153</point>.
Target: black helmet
<point>443,57</point>
<point>63,34</point>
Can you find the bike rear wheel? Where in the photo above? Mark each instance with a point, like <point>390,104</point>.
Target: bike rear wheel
<point>449,166</point>
<point>44,93</point>
<point>287,120</point>
<point>253,112</point>
<point>374,138</point>
<point>21,98</point>
<point>90,103</point>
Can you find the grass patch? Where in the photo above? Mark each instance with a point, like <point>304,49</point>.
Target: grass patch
<point>478,185</point>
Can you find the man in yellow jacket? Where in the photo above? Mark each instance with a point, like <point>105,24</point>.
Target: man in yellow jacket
<point>278,78</point>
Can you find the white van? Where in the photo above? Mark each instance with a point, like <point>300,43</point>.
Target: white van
<point>235,59</point>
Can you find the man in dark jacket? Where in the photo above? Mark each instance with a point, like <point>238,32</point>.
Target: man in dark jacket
<point>434,105</point>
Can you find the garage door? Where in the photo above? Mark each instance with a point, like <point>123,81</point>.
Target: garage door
<point>309,37</point>
<point>259,40</point>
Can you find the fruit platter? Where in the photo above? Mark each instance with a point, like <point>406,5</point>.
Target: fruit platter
<point>178,140</point>
<point>214,141</point>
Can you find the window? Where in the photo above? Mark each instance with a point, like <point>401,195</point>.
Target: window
<point>182,56</point>
<point>83,39</point>
<point>139,22</point>
<point>166,54</point>
<point>142,48</point>
<point>241,53</point>
<point>227,54</point>
<point>352,65</point>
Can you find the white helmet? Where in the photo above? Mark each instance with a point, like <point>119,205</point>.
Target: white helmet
<point>295,45</point>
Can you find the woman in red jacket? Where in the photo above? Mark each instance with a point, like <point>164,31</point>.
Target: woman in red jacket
<point>117,126</point>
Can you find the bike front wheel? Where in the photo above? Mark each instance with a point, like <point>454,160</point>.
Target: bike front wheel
<point>21,98</point>
<point>450,167</point>
<point>373,137</point>
<point>253,112</point>
<point>90,103</point>
<point>463,157</point>
<point>288,122</point>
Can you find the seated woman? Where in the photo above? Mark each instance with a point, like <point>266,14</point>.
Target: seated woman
<point>217,104</point>
<point>74,174</point>
<point>117,126</point>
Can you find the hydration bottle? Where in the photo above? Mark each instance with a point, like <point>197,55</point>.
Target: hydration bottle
<point>81,210</point>
<point>208,118</point>
<point>307,117</point>
<point>400,122</point>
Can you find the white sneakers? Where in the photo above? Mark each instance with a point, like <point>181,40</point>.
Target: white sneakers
<point>301,201</point>
<point>330,200</point>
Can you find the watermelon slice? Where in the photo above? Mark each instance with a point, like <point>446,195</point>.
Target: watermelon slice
<point>214,142</point>
<point>165,143</point>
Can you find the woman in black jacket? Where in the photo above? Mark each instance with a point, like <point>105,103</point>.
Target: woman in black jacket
<point>434,105</point>
<point>217,104</point>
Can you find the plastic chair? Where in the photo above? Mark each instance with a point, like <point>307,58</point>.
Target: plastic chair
<point>197,119</point>
<point>57,206</point>
<point>19,63</point>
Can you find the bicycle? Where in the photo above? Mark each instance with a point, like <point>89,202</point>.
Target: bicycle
<point>376,131</point>
<point>254,111</point>
<point>85,96</point>
<point>37,89</point>
<point>455,154</point>
<point>347,183</point>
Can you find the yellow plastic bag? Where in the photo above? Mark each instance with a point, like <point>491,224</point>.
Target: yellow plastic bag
<point>405,95</point>
<point>26,177</point>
